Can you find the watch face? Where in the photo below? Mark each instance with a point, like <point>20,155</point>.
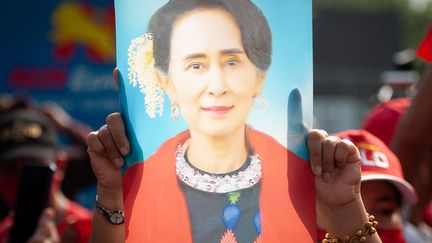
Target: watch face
<point>116,218</point>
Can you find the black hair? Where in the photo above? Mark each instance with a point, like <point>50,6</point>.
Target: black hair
<point>255,31</point>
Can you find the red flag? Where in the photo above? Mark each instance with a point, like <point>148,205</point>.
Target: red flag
<point>424,50</point>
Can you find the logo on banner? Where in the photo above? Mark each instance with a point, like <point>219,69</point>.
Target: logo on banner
<point>372,156</point>
<point>82,25</point>
<point>76,27</point>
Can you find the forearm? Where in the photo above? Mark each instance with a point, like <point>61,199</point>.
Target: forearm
<point>412,135</point>
<point>102,230</point>
<point>345,221</point>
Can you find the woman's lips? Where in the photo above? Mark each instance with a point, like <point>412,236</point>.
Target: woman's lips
<point>217,110</point>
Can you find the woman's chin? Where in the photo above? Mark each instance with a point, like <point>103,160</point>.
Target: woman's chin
<point>220,131</point>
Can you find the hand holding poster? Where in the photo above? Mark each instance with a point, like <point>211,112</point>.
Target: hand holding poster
<point>222,173</point>
<point>215,61</point>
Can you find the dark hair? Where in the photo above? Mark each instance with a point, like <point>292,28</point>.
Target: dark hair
<point>255,31</point>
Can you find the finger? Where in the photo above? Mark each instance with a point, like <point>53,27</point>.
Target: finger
<point>116,126</point>
<point>46,230</point>
<point>111,150</point>
<point>54,236</point>
<point>353,152</point>
<point>295,114</point>
<point>329,149</point>
<point>115,76</point>
<point>297,132</point>
<point>45,220</point>
<point>94,145</point>
<point>342,152</point>
<point>37,238</point>
<point>314,141</point>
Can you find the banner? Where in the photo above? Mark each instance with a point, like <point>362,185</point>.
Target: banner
<point>61,51</point>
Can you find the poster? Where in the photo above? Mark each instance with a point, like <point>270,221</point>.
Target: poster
<point>188,78</point>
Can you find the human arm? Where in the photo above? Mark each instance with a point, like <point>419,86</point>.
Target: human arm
<point>412,143</point>
<point>336,166</point>
<point>75,130</point>
<point>414,131</point>
<point>106,148</point>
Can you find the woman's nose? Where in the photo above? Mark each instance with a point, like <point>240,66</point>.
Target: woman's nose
<point>217,85</point>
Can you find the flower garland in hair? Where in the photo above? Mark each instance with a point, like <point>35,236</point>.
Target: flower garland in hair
<point>142,72</point>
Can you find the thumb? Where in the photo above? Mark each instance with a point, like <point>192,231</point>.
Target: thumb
<point>46,230</point>
<point>115,76</point>
<point>297,132</point>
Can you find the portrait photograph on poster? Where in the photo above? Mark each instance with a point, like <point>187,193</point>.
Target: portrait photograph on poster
<point>216,96</point>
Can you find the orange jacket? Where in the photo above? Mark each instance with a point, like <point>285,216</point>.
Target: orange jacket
<point>156,210</point>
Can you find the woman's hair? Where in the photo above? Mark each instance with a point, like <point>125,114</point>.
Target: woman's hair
<point>255,31</point>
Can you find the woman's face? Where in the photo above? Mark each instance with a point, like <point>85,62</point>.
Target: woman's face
<point>380,200</point>
<point>210,76</point>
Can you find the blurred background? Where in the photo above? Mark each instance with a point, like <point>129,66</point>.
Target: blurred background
<point>63,51</point>
<point>364,54</point>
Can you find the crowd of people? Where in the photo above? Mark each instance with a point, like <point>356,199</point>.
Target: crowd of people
<point>371,184</point>
<point>401,204</point>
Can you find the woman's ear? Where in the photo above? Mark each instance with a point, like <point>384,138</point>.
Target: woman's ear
<point>261,76</point>
<point>166,84</point>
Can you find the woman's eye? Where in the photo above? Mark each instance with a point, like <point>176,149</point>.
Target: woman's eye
<point>196,66</point>
<point>232,62</point>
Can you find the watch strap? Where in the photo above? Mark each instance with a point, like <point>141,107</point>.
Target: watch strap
<point>108,214</point>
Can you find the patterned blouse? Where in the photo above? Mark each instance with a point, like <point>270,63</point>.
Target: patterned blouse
<point>222,207</point>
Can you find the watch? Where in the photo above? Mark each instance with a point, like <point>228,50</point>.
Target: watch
<point>115,217</point>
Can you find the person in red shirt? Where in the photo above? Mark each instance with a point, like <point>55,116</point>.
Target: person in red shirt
<point>27,137</point>
<point>385,192</point>
<point>390,121</point>
<point>412,141</point>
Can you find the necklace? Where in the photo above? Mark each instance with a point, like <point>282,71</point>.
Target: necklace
<point>214,183</point>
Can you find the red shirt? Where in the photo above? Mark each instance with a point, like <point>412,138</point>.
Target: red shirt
<point>156,210</point>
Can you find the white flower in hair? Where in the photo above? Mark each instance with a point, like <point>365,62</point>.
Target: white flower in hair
<point>142,72</point>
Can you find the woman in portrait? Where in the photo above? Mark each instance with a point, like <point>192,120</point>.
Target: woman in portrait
<point>221,180</point>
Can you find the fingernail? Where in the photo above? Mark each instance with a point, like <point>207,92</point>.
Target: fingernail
<point>317,170</point>
<point>326,176</point>
<point>124,150</point>
<point>118,162</point>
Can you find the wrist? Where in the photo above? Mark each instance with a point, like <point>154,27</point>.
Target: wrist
<point>342,220</point>
<point>115,217</point>
<point>367,234</point>
<point>111,198</point>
